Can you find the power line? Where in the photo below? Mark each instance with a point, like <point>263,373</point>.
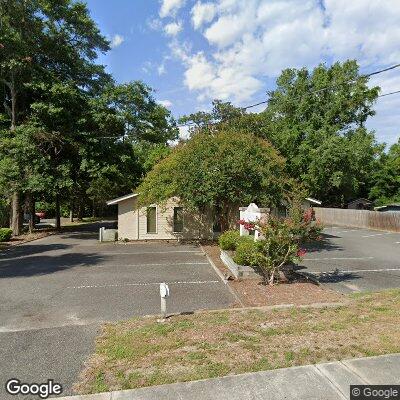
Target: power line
<point>382,70</point>
<point>322,89</point>
<point>338,84</point>
<point>389,94</point>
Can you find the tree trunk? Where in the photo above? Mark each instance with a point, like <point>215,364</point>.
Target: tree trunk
<point>58,213</point>
<point>71,211</point>
<point>80,211</point>
<point>31,210</point>
<point>271,279</point>
<point>13,106</point>
<point>94,214</point>
<point>16,214</point>
<point>224,217</point>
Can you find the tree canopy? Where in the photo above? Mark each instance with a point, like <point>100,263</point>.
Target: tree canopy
<point>386,177</point>
<point>316,120</point>
<point>221,171</point>
<point>65,125</point>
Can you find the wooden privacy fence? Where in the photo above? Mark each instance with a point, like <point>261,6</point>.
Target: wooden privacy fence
<point>387,221</point>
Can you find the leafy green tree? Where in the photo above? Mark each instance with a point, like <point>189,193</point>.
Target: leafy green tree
<point>23,168</point>
<point>222,115</point>
<point>386,179</point>
<point>44,42</point>
<point>220,171</point>
<point>317,122</point>
<point>142,117</point>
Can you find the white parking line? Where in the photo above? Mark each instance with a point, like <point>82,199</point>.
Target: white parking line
<point>141,284</point>
<point>373,270</point>
<point>354,270</point>
<point>338,258</point>
<point>151,252</point>
<point>377,234</point>
<point>350,230</point>
<point>145,264</point>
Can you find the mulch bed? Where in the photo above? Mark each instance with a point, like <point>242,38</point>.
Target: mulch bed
<point>254,293</point>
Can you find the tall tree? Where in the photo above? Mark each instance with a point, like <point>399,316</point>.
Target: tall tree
<point>220,171</point>
<point>386,179</point>
<point>317,122</point>
<point>44,42</point>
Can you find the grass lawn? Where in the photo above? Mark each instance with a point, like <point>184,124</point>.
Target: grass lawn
<point>141,352</point>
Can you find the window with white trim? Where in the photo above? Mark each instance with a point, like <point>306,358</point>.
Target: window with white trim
<point>152,219</point>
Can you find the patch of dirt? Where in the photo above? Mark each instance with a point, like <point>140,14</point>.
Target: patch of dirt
<point>26,237</point>
<point>253,292</point>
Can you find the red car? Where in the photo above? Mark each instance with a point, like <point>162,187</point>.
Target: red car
<point>41,214</point>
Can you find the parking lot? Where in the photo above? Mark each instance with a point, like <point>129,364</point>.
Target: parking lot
<point>354,260</point>
<point>55,293</point>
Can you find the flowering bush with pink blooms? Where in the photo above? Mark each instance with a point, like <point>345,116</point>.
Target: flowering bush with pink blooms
<point>281,240</point>
<point>250,226</point>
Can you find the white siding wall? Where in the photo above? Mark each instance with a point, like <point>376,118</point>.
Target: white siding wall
<point>127,219</point>
<point>194,226</point>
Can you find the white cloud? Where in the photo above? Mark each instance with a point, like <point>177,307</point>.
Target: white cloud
<point>250,42</point>
<point>161,69</point>
<point>173,28</point>
<point>256,39</point>
<point>116,40</point>
<point>154,24</point>
<point>147,67</point>
<point>229,27</point>
<point>202,13</point>
<point>170,7</point>
<point>165,103</point>
<point>367,31</point>
<point>386,120</point>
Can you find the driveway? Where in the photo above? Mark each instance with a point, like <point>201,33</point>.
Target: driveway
<point>353,260</point>
<point>55,293</point>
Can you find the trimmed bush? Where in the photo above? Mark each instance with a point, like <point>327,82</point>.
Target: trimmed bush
<point>247,251</point>
<point>5,234</point>
<point>229,239</point>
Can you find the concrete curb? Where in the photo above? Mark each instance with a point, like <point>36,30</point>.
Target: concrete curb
<point>221,276</point>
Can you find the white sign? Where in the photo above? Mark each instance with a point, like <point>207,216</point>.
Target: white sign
<point>164,290</point>
<point>252,213</point>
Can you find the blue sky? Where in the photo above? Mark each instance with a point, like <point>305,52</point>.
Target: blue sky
<point>192,51</point>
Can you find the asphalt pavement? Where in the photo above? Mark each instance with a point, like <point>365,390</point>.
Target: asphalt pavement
<point>355,260</point>
<point>56,292</point>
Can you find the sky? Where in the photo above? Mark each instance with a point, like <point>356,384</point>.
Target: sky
<point>193,51</point>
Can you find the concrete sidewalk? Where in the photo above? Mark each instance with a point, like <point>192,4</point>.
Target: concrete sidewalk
<point>326,381</point>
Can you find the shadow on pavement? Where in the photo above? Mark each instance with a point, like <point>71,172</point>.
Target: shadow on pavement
<point>34,265</point>
<point>335,276</point>
<point>323,245</point>
<point>30,249</point>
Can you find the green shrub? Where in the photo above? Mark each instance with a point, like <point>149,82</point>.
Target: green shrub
<point>229,239</point>
<point>247,251</point>
<point>5,234</point>
<point>4,213</point>
<point>245,238</point>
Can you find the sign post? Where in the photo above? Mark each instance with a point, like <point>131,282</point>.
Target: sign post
<point>164,293</point>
